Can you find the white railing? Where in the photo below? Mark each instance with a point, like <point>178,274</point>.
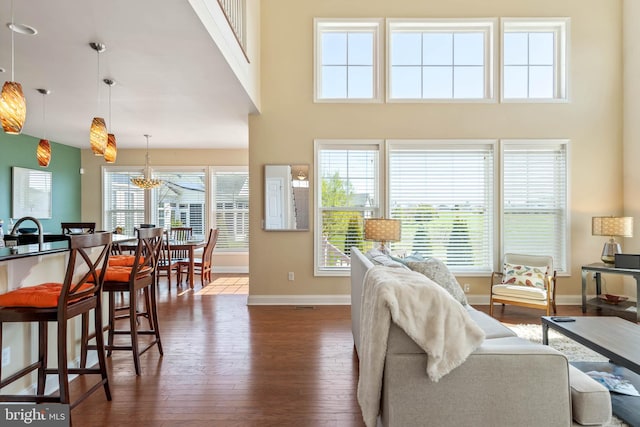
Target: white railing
<point>234,10</point>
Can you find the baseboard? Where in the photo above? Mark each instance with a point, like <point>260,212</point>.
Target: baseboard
<point>302,300</point>
<point>241,269</point>
<point>560,299</point>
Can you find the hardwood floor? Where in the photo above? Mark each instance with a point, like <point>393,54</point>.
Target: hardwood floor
<point>228,364</point>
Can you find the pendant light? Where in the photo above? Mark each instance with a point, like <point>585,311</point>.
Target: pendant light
<point>13,106</point>
<point>111,151</point>
<point>43,152</point>
<point>98,132</point>
<point>146,182</point>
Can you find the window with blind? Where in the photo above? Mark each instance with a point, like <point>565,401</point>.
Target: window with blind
<point>534,206</point>
<point>440,59</point>
<point>347,191</point>
<point>180,201</point>
<point>123,202</point>
<point>230,204</point>
<point>443,192</point>
<point>534,58</point>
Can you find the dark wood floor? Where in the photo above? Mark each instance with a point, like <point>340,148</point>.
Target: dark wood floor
<point>228,364</point>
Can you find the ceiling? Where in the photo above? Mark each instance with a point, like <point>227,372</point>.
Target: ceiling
<point>172,82</point>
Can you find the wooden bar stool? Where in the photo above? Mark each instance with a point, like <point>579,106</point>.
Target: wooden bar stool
<point>78,294</point>
<point>134,274</point>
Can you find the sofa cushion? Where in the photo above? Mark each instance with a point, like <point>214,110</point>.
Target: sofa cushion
<point>524,275</point>
<point>517,291</point>
<point>437,271</point>
<point>376,256</point>
<point>590,400</point>
<point>491,327</point>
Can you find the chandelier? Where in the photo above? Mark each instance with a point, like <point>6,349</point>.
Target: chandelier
<point>145,182</point>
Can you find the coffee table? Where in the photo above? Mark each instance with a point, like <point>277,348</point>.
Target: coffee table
<point>619,341</point>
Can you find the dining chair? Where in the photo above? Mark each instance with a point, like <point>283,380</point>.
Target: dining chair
<point>202,265</point>
<point>79,293</point>
<point>167,263</point>
<point>78,227</point>
<point>180,234</point>
<point>137,276</point>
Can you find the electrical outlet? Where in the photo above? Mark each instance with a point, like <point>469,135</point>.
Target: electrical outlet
<point>466,288</point>
<point>6,356</point>
<point>291,276</point>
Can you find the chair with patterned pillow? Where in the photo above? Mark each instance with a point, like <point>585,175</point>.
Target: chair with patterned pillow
<point>78,295</point>
<point>526,281</point>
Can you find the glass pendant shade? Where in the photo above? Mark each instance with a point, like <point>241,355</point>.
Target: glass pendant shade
<point>43,153</point>
<point>111,151</point>
<point>13,108</point>
<point>98,136</point>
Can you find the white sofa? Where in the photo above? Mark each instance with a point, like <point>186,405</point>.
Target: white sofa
<point>507,381</point>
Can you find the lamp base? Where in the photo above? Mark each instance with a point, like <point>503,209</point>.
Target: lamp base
<point>609,251</point>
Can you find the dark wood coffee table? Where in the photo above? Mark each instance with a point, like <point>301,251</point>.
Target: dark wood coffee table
<point>619,341</point>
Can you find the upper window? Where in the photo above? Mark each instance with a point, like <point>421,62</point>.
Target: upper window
<point>440,59</point>
<point>347,192</point>
<point>534,205</point>
<point>346,60</point>
<point>442,191</point>
<point>534,58</point>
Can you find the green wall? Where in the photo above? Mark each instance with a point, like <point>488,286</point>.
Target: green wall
<point>20,150</point>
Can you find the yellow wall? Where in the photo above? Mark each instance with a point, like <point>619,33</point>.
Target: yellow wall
<point>290,121</point>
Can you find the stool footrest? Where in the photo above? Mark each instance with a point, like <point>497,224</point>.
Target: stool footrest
<point>21,373</point>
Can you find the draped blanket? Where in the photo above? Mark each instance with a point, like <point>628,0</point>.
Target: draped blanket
<point>426,312</point>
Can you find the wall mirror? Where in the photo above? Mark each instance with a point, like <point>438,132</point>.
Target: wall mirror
<point>31,193</point>
<point>286,197</point>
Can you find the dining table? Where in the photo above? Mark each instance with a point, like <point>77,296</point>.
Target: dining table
<point>189,246</point>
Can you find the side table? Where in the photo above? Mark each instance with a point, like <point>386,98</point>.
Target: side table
<point>598,269</point>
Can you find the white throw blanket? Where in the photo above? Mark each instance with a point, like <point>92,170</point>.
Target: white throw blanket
<point>426,312</point>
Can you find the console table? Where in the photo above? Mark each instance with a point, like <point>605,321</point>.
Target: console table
<point>598,269</point>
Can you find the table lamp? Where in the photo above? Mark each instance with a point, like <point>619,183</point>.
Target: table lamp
<point>382,230</point>
<point>611,226</point>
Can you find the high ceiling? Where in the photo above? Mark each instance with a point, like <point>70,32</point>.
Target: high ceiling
<point>172,82</point>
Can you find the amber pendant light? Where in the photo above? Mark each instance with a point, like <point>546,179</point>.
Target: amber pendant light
<point>13,106</point>
<point>98,132</point>
<point>43,152</point>
<point>111,150</point>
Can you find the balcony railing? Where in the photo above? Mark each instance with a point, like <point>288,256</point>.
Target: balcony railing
<point>234,11</point>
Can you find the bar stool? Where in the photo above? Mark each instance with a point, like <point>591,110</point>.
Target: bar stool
<point>134,274</point>
<point>78,294</point>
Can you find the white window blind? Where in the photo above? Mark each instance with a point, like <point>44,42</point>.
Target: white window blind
<point>231,209</point>
<point>535,200</point>
<point>347,189</point>
<point>180,200</point>
<point>123,202</point>
<point>443,194</point>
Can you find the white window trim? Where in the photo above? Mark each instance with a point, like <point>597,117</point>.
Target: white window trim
<point>104,170</point>
<point>349,25</point>
<point>541,143</point>
<point>341,144</point>
<point>211,216</point>
<point>562,28</point>
<point>487,25</point>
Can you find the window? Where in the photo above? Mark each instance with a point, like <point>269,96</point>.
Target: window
<point>440,59</point>
<point>123,202</point>
<point>346,60</point>
<point>347,192</point>
<point>230,196</point>
<point>442,191</point>
<point>180,201</point>
<point>534,206</point>
<point>534,58</point>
